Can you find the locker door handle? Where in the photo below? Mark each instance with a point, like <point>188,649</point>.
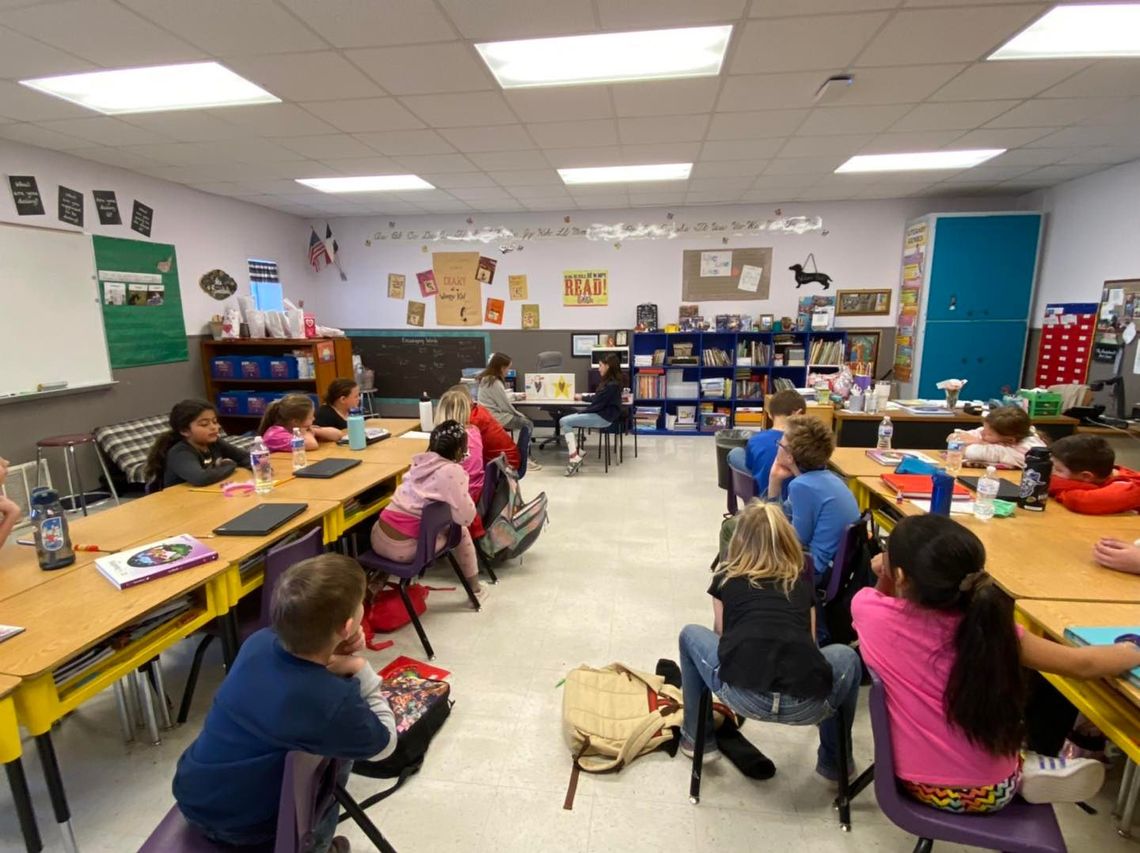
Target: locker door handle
<point>953,302</point>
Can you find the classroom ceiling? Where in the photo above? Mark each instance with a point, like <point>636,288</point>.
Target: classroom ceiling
<point>395,86</point>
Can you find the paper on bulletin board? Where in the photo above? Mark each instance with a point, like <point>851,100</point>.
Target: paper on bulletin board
<point>516,284</point>
<point>585,288</point>
<point>458,301</point>
<point>750,278</point>
<point>396,284</point>
<point>716,264</point>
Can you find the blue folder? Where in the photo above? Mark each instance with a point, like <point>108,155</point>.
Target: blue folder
<point>1107,637</point>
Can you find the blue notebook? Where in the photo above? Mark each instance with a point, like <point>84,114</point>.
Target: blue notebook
<point>1106,637</point>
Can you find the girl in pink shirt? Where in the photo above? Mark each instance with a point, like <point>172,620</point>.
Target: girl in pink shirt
<point>293,411</point>
<point>942,638</point>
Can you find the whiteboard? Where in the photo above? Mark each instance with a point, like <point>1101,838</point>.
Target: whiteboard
<point>52,326</point>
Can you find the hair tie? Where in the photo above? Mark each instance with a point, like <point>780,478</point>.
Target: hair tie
<point>972,582</point>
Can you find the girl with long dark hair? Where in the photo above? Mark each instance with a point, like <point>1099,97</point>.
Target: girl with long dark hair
<point>193,451</point>
<point>604,409</point>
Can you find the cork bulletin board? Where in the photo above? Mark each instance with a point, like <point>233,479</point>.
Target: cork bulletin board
<point>727,275</point>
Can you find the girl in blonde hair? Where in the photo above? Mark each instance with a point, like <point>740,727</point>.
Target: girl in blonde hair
<point>455,405</point>
<point>761,658</point>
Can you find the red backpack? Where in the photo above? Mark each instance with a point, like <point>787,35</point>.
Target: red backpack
<point>387,612</point>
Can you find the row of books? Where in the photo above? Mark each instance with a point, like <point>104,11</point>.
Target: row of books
<point>753,353</point>
<point>716,388</point>
<point>751,389</point>
<point>685,420</point>
<point>650,385</point>
<point>826,352</point>
<point>645,418</point>
<point>715,357</point>
<point>791,357</point>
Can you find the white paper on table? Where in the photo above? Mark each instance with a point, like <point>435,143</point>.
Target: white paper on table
<point>956,507</point>
<point>750,278</point>
<point>416,434</point>
<point>716,264</point>
<point>1129,333</point>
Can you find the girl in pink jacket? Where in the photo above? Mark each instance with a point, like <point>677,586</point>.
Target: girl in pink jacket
<point>434,476</point>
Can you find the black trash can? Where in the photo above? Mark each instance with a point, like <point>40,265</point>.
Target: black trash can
<point>726,440</point>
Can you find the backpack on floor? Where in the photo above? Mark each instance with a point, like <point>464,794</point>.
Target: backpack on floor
<point>421,707</point>
<point>857,574</point>
<point>612,715</point>
<point>511,524</point>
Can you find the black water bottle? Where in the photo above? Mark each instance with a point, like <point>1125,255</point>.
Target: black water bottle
<point>1034,491</point>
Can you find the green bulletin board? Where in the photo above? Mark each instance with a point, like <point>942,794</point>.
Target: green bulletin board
<point>142,305</point>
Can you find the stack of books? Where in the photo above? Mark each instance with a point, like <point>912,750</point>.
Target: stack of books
<point>715,357</point>
<point>794,357</point>
<point>716,388</point>
<point>749,387</point>
<point>750,416</point>
<point>645,418</point>
<point>644,360</point>
<point>827,353</point>
<point>685,420</point>
<point>712,420</point>
<point>650,383</point>
<point>752,354</point>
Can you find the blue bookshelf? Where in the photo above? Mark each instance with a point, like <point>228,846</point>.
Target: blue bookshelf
<point>673,386</point>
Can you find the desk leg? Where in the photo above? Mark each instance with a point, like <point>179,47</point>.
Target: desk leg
<point>55,789</point>
<point>1124,828</point>
<point>126,719</point>
<point>229,637</point>
<point>1125,785</point>
<point>147,698</point>
<point>24,810</point>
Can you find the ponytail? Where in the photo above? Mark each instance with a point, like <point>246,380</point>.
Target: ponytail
<point>270,417</point>
<point>290,409</point>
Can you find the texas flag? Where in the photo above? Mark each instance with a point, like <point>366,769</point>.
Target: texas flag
<point>324,252</point>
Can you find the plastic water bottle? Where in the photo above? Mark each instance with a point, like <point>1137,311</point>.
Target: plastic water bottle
<point>886,431</point>
<point>954,454</point>
<point>298,445</point>
<point>987,492</point>
<point>262,467</point>
<point>53,540</point>
<point>427,418</point>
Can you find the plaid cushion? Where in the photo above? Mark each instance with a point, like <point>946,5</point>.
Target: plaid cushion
<point>127,444</point>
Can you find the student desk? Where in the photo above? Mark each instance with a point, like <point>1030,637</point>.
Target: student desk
<point>853,463</point>
<point>398,449</point>
<point>10,755</point>
<point>859,429</point>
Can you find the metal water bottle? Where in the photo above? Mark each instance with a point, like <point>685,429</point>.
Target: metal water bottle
<point>1034,491</point>
<point>941,492</point>
<point>53,540</point>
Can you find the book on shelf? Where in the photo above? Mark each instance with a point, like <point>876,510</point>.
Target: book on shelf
<point>823,318</point>
<point>650,386</point>
<point>147,562</point>
<point>718,387</point>
<point>686,419</point>
<point>659,356</point>
<point>715,357</point>
<point>826,353</point>
<point>782,384</point>
<point>643,360</point>
<point>749,353</point>
<point>794,357</point>
<point>712,421</point>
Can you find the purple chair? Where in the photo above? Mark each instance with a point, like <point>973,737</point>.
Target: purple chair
<point>1018,828</point>
<point>742,489</point>
<point>524,451</point>
<point>830,588</point>
<point>277,560</point>
<point>434,521</point>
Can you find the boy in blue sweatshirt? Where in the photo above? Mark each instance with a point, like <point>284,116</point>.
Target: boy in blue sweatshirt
<point>757,456</point>
<point>299,685</point>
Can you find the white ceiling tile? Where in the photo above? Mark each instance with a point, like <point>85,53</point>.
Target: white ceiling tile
<point>274,120</point>
<point>819,194</point>
<point>657,14</point>
<point>818,166</point>
<point>654,128</point>
<point>33,134</point>
<point>1005,137</point>
<point>1085,137</point>
<point>896,85</point>
<point>776,195</point>
<point>470,110</point>
<point>729,168</point>
<point>784,8</point>
<point>769,181</point>
<point>501,137</point>
<point>424,69</point>
<point>22,57</point>
<point>276,186</point>
<point>572,158</point>
<point>915,37</point>
<point>992,171</point>
<point>568,134</point>
<point>322,75</point>
<point>759,124</point>
<point>510,160</point>
<point>1057,174</point>
<point>1105,155</point>
<point>482,194</point>
<point>665,97</point>
<point>226,188</point>
<point>895,143</point>
<point>287,169</point>
<point>435,163</point>
<point>100,31</point>
<point>714,196</point>
<point>516,19</point>
<point>661,152</point>
<point>247,151</point>
<point>769,91</point>
<point>1104,78</point>
<point>175,153</point>
<point>19,103</point>
<point>114,156</point>
<point>363,23</point>
<point>852,119</point>
<point>406,142</point>
<point>527,178</point>
<point>1043,112</point>
<point>993,80</point>
<point>952,115</point>
<point>828,42</point>
<point>825,146</point>
<point>362,115</point>
<point>364,165</point>
<point>222,27</point>
<point>566,103</point>
<point>727,186</point>
<point>740,149</point>
<point>651,199</point>
<point>186,125</point>
<point>326,146</point>
<point>1126,114</point>
<point>460,180</point>
<point>1032,156</point>
<point>544,192</point>
<point>105,130</point>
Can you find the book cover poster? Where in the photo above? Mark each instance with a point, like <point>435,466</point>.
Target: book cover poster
<point>114,293</point>
<point>427,283</point>
<point>458,300</point>
<point>486,270</point>
<point>495,311</point>
<point>516,284</point>
<point>395,286</point>
<point>530,317</point>
<point>416,312</point>
<point>585,288</point>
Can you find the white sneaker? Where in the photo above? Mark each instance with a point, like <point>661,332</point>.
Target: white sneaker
<point>572,465</point>
<point>709,756</point>
<point>1045,779</point>
<point>533,464</point>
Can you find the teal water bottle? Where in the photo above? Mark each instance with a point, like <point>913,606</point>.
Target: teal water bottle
<point>356,437</point>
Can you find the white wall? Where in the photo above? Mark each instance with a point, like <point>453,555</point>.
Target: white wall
<point>1092,224</point>
<point>208,231</point>
<point>862,250</point>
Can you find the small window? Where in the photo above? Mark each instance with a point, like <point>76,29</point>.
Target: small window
<point>265,285</point>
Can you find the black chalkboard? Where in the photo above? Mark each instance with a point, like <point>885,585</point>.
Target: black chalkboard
<point>408,363</point>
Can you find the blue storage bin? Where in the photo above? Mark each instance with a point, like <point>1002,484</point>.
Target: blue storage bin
<point>257,402</point>
<point>253,367</point>
<point>282,367</point>
<point>225,367</point>
<point>231,403</point>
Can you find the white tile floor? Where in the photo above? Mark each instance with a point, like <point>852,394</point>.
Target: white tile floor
<point>621,568</point>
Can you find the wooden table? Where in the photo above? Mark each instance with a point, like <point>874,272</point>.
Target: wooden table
<point>396,449</point>
<point>10,755</point>
<point>859,429</point>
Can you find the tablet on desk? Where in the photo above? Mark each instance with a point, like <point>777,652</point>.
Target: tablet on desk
<point>1007,491</point>
<point>260,520</point>
<point>326,468</point>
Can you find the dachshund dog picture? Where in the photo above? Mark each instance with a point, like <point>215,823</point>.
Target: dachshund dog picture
<point>803,278</point>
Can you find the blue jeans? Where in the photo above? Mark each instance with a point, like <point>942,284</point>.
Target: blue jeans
<point>582,420</point>
<point>700,667</point>
<point>738,459</point>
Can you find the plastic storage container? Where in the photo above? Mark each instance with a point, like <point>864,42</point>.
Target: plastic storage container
<point>225,367</point>
<point>282,367</point>
<point>254,366</point>
<point>1042,404</point>
<point>231,403</point>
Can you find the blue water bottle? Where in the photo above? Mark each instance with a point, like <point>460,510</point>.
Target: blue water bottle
<point>356,437</point>
<point>942,492</point>
<point>52,538</point>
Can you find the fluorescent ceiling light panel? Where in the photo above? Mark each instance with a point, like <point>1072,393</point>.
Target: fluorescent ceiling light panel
<point>367,184</point>
<point>624,174</point>
<point>607,57</point>
<point>1078,31</point>
<point>920,161</point>
<point>197,85</point>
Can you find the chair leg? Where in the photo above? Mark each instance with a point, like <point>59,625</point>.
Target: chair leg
<point>485,562</point>
<point>354,811</point>
<point>924,845</point>
<point>148,706</point>
<point>153,669</point>
<point>403,588</point>
<point>699,746</point>
<point>1124,827</point>
<point>864,779</point>
<point>843,801</point>
<point>192,678</point>
<point>463,580</point>
<point>1125,786</point>
<point>126,721</point>
<point>605,439</point>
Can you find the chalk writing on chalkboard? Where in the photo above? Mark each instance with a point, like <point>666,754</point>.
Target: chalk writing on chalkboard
<point>70,206</point>
<point>141,218</point>
<point>26,195</point>
<point>107,206</point>
<point>408,364</point>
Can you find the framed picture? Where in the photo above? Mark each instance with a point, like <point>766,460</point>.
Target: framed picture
<point>863,346</point>
<point>850,302</point>
<point>580,345</point>
<point>766,321</point>
<point>621,338</point>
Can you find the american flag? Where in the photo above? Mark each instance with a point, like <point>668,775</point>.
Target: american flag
<point>323,252</point>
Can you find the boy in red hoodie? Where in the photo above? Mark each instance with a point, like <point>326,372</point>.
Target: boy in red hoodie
<point>1087,480</point>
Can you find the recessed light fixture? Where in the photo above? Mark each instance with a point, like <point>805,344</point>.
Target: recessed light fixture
<point>920,161</point>
<point>1078,31</point>
<point>622,174</point>
<point>607,57</point>
<point>196,85</point>
<point>367,184</point>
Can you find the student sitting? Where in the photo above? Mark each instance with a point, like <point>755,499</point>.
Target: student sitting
<point>756,458</point>
<point>604,409</point>
<point>9,511</point>
<point>455,405</point>
<point>293,411</point>
<point>818,502</point>
<point>496,440</point>
<point>494,398</point>
<point>1004,438</point>
<point>299,685</point>
<point>942,638</point>
<point>331,422</point>
<point>434,476</point>
<point>192,451</point>
<point>1086,478</point>
<point>761,658</point>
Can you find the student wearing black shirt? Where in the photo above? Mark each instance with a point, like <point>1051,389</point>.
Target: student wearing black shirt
<point>331,422</point>
<point>604,408</point>
<point>193,450</point>
<point>761,658</point>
